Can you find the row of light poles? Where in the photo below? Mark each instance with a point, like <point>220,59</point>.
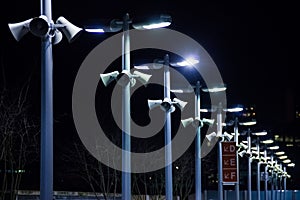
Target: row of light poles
<point>50,33</point>
<point>271,166</point>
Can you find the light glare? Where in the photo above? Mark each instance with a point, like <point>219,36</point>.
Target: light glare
<point>94,30</point>
<point>157,25</point>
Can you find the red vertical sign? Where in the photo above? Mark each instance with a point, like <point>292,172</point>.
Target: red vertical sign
<point>229,165</point>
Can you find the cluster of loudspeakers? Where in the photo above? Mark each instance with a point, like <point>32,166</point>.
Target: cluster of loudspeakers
<point>41,27</point>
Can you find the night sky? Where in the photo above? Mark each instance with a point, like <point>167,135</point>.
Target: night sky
<point>254,46</point>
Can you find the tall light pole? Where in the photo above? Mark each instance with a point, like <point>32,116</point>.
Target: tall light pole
<point>236,139</point>
<point>219,135</point>
<point>44,27</point>
<point>258,164</point>
<point>198,124</point>
<point>168,106</point>
<point>126,75</point>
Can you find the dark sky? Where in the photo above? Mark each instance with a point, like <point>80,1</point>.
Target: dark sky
<point>254,45</point>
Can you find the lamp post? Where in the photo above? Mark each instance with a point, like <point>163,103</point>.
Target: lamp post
<point>198,124</point>
<point>219,135</point>
<point>258,134</point>
<point>127,81</point>
<point>168,106</point>
<point>44,27</point>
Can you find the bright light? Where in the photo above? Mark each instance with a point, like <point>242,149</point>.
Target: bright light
<point>94,30</point>
<point>157,25</point>
<point>260,133</point>
<point>287,161</point>
<point>248,123</point>
<point>214,89</point>
<point>282,157</point>
<point>274,147</point>
<point>279,153</point>
<point>204,110</point>
<point>291,165</point>
<point>270,141</point>
<point>145,67</point>
<point>234,109</point>
<point>177,167</point>
<point>187,62</point>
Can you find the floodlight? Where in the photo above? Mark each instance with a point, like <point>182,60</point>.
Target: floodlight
<point>279,153</point>
<point>250,123</point>
<point>214,89</point>
<point>291,165</point>
<point>273,147</point>
<point>260,133</point>
<point>282,157</point>
<point>162,21</point>
<point>287,161</point>
<point>270,141</point>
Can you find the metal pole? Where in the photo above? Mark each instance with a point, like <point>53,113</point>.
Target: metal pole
<point>220,172</point>
<point>258,169</point>
<point>126,160</point>
<point>284,183</point>
<point>272,179</point>
<point>168,153</point>
<point>249,166</point>
<point>236,139</point>
<point>46,176</point>
<point>266,176</point>
<point>276,181</point>
<point>198,145</point>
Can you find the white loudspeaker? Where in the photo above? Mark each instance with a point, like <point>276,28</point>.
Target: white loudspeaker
<point>124,78</point>
<point>242,145</point>
<point>70,31</point>
<point>154,103</point>
<point>242,153</point>
<point>109,77</point>
<point>186,122</point>
<point>210,136</point>
<point>142,77</point>
<point>18,30</point>
<point>208,122</point>
<point>166,105</point>
<point>197,122</point>
<point>228,136</point>
<point>180,104</point>
<point>39,26</point>
<point>57,37</point>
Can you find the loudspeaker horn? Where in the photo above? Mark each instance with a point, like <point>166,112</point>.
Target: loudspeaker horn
<point>70,30</point>
<point>210,136</point>
<point>228,136</point>
<point>142,77</point>
<point>109,77</point>
<point>180,104</point>
<point>57,37</point>
<point>19,29</point>
<point>186,122</point>
<point>208,122</point>
<point>154,103</point>
<point>39,26</point>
